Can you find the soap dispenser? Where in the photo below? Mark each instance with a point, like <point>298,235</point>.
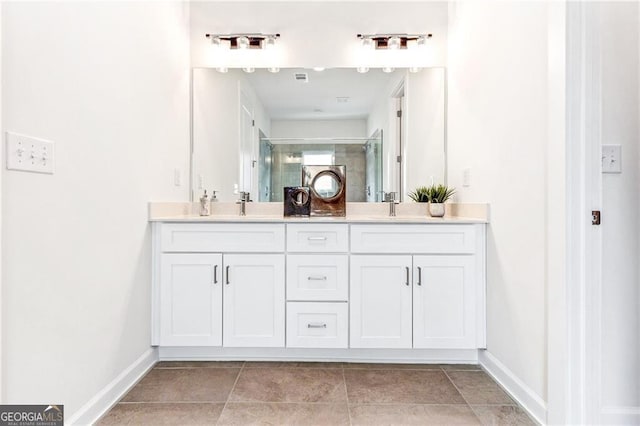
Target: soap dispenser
<point>205,205</point>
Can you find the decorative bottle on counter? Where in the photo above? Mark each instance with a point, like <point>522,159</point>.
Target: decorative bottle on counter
<point>205,205</point>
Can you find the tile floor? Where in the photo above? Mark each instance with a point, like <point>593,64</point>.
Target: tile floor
<point>296,393</point>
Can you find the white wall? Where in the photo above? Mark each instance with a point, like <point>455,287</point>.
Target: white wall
<point>318,33</point>
<point>109,84</point>
<point>497,127</point>
<point>424,149</point>
<point>216,134</point>
<point>216,150</point>
<point>620,206</point>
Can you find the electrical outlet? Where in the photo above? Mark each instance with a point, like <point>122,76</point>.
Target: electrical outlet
<point>611,159</point>
<point>28,154</point>
<point>177,177</point>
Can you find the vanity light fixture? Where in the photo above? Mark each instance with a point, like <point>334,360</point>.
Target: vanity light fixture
<point>270,41</point>
<point>222,69</point>
<point>318,69</point>
<point>244,41</point>
<point>362,70</point>
<point>248,70</point>
<point>388,69</point>
<point>415,69</point>
<point>273,69</point>
<point>393,41</point>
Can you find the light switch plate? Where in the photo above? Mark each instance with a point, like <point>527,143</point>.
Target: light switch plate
<point>611,159</point>
<point>28,154</point>
<point>466,177</point>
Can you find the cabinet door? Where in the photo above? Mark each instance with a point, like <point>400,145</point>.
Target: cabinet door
<point>254,306</point>
<point>380,301</point>
<point>191,300</point>
<point>444,302</point>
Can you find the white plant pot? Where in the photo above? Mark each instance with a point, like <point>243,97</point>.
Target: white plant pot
<point>436,209</point>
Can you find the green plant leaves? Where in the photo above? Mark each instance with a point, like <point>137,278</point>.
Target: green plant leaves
<point>432,194</point>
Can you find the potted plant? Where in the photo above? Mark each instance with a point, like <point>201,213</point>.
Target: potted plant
<point>420,194</point>
<point>435,195</point>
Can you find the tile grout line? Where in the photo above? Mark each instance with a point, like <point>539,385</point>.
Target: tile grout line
<point>463,397</point>
<point>346,391</point>
<point>231,392</point>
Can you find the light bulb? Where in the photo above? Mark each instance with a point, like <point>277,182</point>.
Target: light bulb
<point>248,69</point>
<point>415,69</point>
<point>274,69</point>
<point>242,42</point>
<point>362,70</point>
<point>394,43</point>
<point>318,69</point>
<point>368,43</point>
<point>388,69</point>
<point>222,69</point>
<point>269,42</point>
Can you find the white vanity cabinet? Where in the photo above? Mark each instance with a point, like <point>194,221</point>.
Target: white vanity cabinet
<point>191,299</point>
<point>444,302</point>
<point>316,289</point>
<point>213,288</point>
<point>254,300</point>
<point>430,298</point>
<point>317,285</point>
<point>381,301</point>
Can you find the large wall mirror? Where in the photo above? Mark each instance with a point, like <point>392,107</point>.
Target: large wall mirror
<point>253,131</point>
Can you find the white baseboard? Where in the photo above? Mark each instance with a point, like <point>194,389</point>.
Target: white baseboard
<point>527,398</point>
<point>620,415</point>
<point>436,356</point>
<point>110,394</point>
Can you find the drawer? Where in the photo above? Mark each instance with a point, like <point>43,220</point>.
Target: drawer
<point>413,239</point>
<point>317,238</point>
<point>222,237</point>
<point>317,325</point>
<point>323,277</point>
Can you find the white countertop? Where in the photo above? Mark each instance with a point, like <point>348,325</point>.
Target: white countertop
<point>356,213</point>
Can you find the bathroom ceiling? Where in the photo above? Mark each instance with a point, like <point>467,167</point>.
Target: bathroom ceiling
<point>330,94</point>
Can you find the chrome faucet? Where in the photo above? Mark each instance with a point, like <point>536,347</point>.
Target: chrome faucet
<point>390,197</point>
<point>245,197</point>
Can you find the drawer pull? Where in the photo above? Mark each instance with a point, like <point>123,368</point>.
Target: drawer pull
<point>227,274</point>
<point>317,238</point>
<point>317,278</point>
<point>407,268</point>
<point>215,274</point>
<point>419,275</point>
<point>316,325</point>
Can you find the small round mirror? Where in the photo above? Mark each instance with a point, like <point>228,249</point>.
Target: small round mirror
<point>327,185</point>
<point>300,197</point>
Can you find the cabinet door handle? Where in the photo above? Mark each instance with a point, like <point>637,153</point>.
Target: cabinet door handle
<point>215,274</point>
<point>419,275</point>
<point>316,325</point>
<point>323,278</point>
<point>317,238</point>
<point>407,269</point>
<point>227,274</point>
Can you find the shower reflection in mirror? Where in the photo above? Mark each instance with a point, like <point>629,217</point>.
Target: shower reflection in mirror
<point>283,165</point>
